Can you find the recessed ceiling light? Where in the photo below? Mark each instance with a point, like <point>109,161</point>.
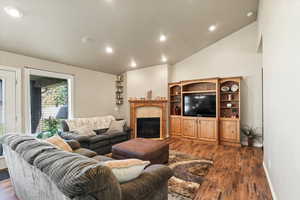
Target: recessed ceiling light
<point>164,59</point>
<point>249,14</point>
<point>109,50</point>
<point>13,12</point>
<point>133,64</point>
<point>212,28</point>
<point>162,38</point>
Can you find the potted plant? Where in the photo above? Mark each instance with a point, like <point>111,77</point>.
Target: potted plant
<point>250,133</point>
<point>51,128</point>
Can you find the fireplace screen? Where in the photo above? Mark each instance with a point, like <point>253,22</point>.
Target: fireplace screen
<point>148,127</point>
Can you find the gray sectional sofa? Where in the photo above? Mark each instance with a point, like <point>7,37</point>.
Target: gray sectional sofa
<point>101,143</point>
<point>40,171</point>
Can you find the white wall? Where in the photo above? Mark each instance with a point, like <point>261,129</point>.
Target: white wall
<point>94,91</point>
<point>139,81</point>
<point>152,78</point>
<point>234,55</point>
<point>281,62</point>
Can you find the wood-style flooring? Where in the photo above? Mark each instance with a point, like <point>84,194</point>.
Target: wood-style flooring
<point>237,173</point>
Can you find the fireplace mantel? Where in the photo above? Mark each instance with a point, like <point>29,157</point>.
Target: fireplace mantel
<point>136,104</point>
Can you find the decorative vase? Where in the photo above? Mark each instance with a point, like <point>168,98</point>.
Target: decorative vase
<point>177,110</point>
<point>149,95</point>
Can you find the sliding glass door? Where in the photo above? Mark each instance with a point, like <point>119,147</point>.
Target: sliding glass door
<point>8,118</point>
<point>50,100</point>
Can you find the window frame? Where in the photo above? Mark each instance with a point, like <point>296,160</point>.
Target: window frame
<point>49,74</point>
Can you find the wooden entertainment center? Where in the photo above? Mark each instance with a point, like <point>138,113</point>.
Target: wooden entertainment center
<point>223,127</point>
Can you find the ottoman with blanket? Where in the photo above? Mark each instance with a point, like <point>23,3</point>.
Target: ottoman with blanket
<point>156,151</point>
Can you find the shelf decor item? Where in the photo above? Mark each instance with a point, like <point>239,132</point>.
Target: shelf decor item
<point>225,89</point>
<point>149,95</point>
<point>229,105</point>
<point>234,88</point>
<point>119,89</point>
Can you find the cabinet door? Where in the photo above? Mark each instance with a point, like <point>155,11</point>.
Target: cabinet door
<point>229,130</point>
<point>175,125</point>
<point>207,130</point>
<point>189,127</point>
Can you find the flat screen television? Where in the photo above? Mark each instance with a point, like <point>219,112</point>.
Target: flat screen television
<point>200,105</point>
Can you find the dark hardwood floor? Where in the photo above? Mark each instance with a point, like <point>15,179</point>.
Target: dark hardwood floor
<point>237,173</point>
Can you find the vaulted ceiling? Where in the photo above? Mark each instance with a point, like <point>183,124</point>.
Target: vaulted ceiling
<point>77,32</point>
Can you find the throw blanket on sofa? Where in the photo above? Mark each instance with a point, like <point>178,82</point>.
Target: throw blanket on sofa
<point>94,123</point>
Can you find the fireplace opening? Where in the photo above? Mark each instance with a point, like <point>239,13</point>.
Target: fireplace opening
<point>148,127</point>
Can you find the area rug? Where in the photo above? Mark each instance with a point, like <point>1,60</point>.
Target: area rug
<point>189,174</point>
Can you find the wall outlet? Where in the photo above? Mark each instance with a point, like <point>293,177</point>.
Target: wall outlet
<point>269,164</point>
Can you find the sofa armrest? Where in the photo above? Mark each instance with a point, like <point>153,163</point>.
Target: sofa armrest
<point>161,172</point>
<point>73,136</point>
<point>128,131</point>
<point>151,180</point>
<point>74,144</point>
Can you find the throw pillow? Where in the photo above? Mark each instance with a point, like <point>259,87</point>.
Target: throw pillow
<point>126,170</point>
<point>116,126</point>
<point>84,130</point>
<point>59,143</point>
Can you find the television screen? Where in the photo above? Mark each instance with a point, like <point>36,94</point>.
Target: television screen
<point>201,105</point>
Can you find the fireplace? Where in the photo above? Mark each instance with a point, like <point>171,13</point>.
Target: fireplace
<point>148,127</point>
<point>148,118</point>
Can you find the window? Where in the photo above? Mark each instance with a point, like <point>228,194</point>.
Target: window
<point>50,98</point>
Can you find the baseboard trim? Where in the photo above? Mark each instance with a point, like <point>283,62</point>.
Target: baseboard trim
<point>269,181</point>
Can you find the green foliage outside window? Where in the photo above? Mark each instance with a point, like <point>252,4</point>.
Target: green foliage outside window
<point>51,128</point>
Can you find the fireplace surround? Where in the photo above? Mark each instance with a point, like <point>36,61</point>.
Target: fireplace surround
<point>141,110</point>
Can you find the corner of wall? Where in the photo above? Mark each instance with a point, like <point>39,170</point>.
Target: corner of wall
<point>269,181</point>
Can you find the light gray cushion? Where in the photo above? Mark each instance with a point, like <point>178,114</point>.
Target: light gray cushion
<point>116,126</point>
<point>84,131</point>
<point>128,169</point>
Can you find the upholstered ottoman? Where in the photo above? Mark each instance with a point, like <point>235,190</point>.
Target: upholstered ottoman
<point>156,151</point>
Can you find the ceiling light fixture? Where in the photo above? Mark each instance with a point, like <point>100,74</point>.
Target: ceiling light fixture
<point>164,59</point>
<point>13,12</point>
<point>249,14</point>
<point>109,50</point>
<point>162,38</point>
<point>133,64</point>
<point>212,28</point>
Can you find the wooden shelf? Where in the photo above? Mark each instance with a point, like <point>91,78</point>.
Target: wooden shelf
<point>229,108</point>
<point>237,92</point>
<point>229,118</point>
<point>175,95</point>
<point>229,100</point>
<point>199,91</point>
